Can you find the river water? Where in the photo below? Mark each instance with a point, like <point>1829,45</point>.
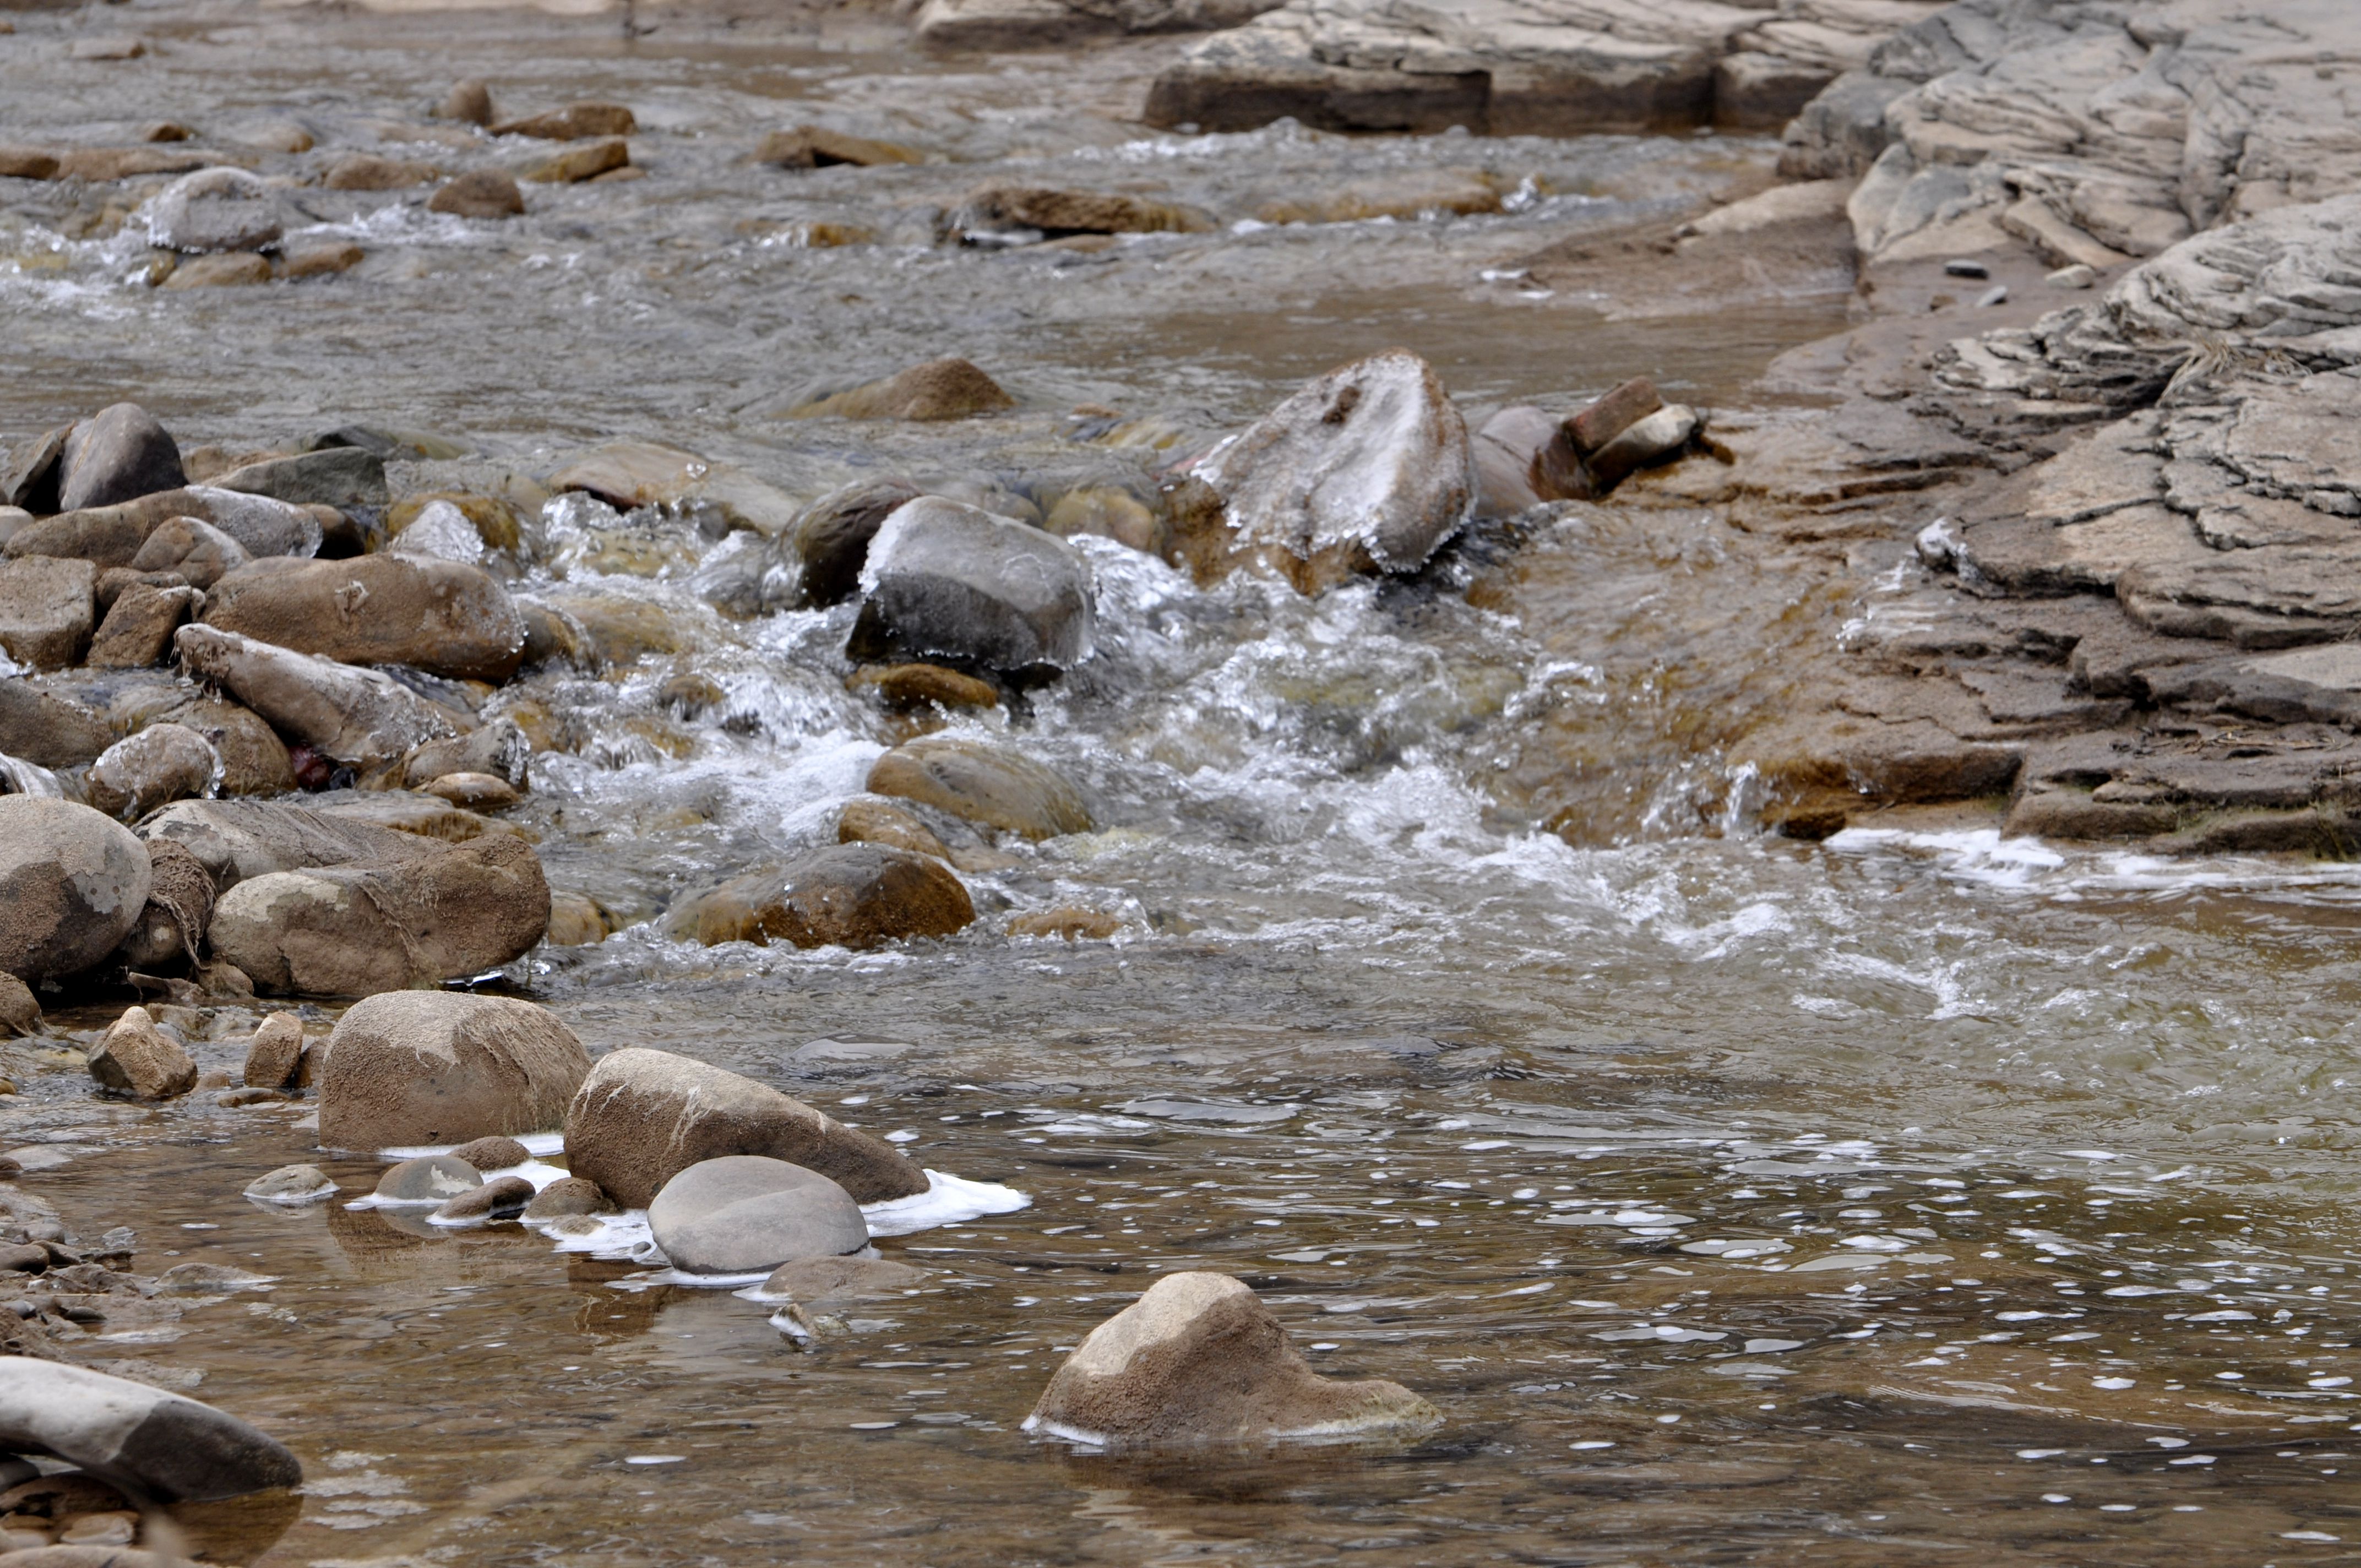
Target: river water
<point>1885,1200</point>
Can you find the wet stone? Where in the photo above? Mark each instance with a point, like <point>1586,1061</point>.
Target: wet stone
<point>275,1051</point>
<point>292,1184</point>
<point>137,1059</point>
<point>854,896</point>
<point>46,607</point>
<point>938,389</point>
<point>572,123</point>
<point>219,209</point>
<point>489,1154</point>
<point>948,581</point>
<point>502,1198</point>
<point>71,886</point>
<point>432,1180</point>
<point>991,785</point>
<point>484,193</point>
<point>117,455</point>
<point>570,1195</point>
<point>744,1213</point>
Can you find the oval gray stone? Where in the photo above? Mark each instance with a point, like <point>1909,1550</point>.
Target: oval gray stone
<point>742,1214</point>
<point>71,886</point>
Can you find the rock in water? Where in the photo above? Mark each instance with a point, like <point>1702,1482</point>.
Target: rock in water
<point>117,455</point>
<point>851,895</point>
<point>468,102</point>
<point>434,1178</point>
<point>504,1198</point>
<point>161,764</point>
<point>359,930</point>
<point>441,616</point>
<point>938,389</point>
<point>272,1055</point>
<point>1365,469</point>
<point>946,580</point>
<point>150,1444</point>
<point>1199,1359</point>
<point>831,537</point>
<point>572,123</point>
<point>136,1058</point>
<point>486,193</point>
<point>492,1154</point>
<point>20,1011</point>
<point>810,146</point>
<point>990,785</point>
<point>352,715</point>
<point>71,886</point>
<point>213,209</point>
<point>812,1280</point>
<point>643,1117</point>
<point>292,1185</point>
<point>741,1213</point>
<point>46,605</point>
<point>439,1068</point>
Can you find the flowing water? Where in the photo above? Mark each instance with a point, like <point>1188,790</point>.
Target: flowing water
<point>1902,1197</point>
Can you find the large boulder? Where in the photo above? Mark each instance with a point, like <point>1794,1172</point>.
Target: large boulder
<point>747,1214</point>
<point>1365,469</point>
<point>1199,1359</point>
<point>352,715</point>
<point>47,731</point>
<point>215,209</point>
<point>239,840</point>
<point>948,581</point>
<point>120,453</point>
<point>151,1444</point>
<point>161,764</point>
<point>442,617</point>
<point>849,895</point>
<point>72,885</point>
<point>430,1066</point>
<point>113,535</point>
<point>643,1117</point>
<point>989,785</point>
<point>46,609</point>
<point>136,1058</point>
<point>400,924</point>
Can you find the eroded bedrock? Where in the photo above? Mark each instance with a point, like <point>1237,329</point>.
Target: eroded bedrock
<point>1523,67</point>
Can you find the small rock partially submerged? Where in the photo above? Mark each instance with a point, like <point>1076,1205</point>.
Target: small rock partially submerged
<point>433,1179</point>
<point>137,1059</point>
<point>1199,1359</point>
<point>992,786</point>
<point>742,1214</point>
<point>938,389</point>
<point>291,1184</point>
<point>852,895</point>
<point>275,1053</point>
<point>218,209</point>
<point>502,1198</point>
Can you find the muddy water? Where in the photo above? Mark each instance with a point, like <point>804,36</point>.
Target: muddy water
<point>1736,1200</point>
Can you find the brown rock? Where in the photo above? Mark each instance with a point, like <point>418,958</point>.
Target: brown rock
<point>157,765</point>
<point>831,536</point>
<point>114,580</point>
<point>577,164</point>
<point>851,895</point>
<point>72,883</point>
<point>136,1058</point>
<point>179,906</point>
<point>192,549</point>
<point>113,535</point>
<point>28,163</point>
<point>473,791</point>
<point>570,1195</point>
<point>1199,1359</point>
<point>575,920</point>
<point>622,630</point>
<point>229,270</point>
<point>485,193</point>
<point>1075,212</point>
<point>502,1198</point>
<point>441,616</point>
<point>254,760</point>
<point>1075,924</point>
<point>323,260</point>
<point>40,728</point>
<point>20,1012</point>
<point>1607,417</point>
<point>986,784</point>
<point>105,164</point>
<point>489,1154</point>
<point>47,605</point>
<point>138,630</point>
<point>643,1116</point>
<point>809,146</point>
<point>120,453</point>
<point>867,820</point>
<point>939,390</point>
<point>365,172</point>
<point>817,1281</point>
<point>468,102</point>
<point>276,1050</point>
<point>916,685</point>
<point>412,1068</point>
<point>573,123</point>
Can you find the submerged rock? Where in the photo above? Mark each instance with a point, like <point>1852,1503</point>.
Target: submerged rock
<point>117,455</point>
<point>359,931</point>
<point>216,209</point>
<point>441,616</point>
<point>502,1198</point>
<point>815,1280</point>
<point>741,1213</point>
<point>867,820</point>
<point>998,210</point>
<point>643,1117</point>
<point>579,163</point>
<point>938,389</point>
<point>153,1445</point>
<point>137,1059</point>
<point>990,785</point>
<point>499,749</point>
<point>810,146</point>
<point>945,580</point>
<point>436,1068</point>
<point>851,896</point>
<point>572,123</point>
<point>292,1185</point>
<point>570,1195</point>
<point>1199,1359</point>
<point>468,102</point>
<point>366,171</point>
<point>46,607</point>
<point>489,1154</point>
<point>71,886</point>
<point>354,715</point>
<point>1365,469</point>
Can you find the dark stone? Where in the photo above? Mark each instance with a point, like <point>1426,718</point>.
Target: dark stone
<point>118,454</point>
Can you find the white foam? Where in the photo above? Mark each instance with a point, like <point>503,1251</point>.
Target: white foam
<point>538,1145</point>
<point>948,1201</point>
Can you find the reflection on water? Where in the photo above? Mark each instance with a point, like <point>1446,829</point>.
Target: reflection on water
<point>1735,1200</point>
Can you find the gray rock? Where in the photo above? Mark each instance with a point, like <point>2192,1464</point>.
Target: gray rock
<point>46,609</point>
<point>71,886</point>
<point>136,1058</point>
<point>643,1117</point>
<point>20,1011</point>
<point>1055,23</point>
<point>120,453</point>
<point>346,477</point>
<point>40,728</point>
<point>113,535</point>
<point>215,209</point>
<point>291,1184</point>
<point>210,1279</point>
<point>31,479</point>
<point>430,1180</point>
<point>195,548</point>
<point>1200,1360</point>
<point>570,1195</point>
<point>236,840</point>
<point>148,1442</point>
<point>742,1214</point>
<point>948,581</point>
<point>275,1052</point>
<point>359,930</point>
<point>412,1067</point>
<point>161,764</point>
<point>352,715</point>
<point>502,1198</point>
<point>1365,469</point>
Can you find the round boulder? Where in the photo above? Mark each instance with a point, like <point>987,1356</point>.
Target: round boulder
<point>292,1185</point>
<point>424,1067</point>
<point>161,764</point>
<point>120,453</point>
<point>745,1213</point>
<point>72,885</point>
